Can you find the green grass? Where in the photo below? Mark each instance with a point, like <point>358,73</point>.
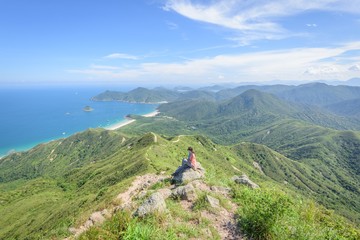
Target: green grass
<point>272,214</point>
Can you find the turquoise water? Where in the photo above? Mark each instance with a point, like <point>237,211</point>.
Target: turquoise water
<point>32,116</point>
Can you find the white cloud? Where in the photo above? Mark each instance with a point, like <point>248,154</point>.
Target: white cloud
<point>121,56</point>
<point>355,68</point>
<point>287,64</point>
<point>311,25</point>
<point>322,70</point>
<point>257,19</point>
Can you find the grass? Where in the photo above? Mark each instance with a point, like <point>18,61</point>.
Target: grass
<point>272,214</point>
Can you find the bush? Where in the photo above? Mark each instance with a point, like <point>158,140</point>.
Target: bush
<point>260,210</point>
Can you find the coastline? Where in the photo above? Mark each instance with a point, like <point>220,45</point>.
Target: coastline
<point>129,121</point>
<point>111,127</point>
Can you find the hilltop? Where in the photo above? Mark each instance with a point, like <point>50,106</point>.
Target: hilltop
<point>59,184</point>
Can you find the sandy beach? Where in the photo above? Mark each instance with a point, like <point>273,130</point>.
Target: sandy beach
<point>128,121</point>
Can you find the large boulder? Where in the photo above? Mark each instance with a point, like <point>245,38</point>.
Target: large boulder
<point>186,192</point>
<point>188,174</point>
<point>243,179</point>
<point>155,203</point>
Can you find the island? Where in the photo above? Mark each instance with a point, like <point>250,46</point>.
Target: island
<point>88,109</point>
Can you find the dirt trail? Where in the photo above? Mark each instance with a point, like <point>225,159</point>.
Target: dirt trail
<point>223,220</point>
<point>140,183</point>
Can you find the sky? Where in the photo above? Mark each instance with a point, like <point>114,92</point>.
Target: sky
<point>177,41</point>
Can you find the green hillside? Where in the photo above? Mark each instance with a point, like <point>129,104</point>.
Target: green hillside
<point>253,107</point>
<point>349,108</point>
<point>320,94</point>
<point>57,185</point>
<point>139,95</point>
<point>297,154</point>
<point>49,188</point>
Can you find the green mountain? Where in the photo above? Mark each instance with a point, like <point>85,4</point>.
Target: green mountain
<point>59,184</point>
<point>139,95</point>
<point>49,188</point>
<point>289,129</point>
<point>296,153</point>
<point>350,108</point>
<point>320,94</point>
<point>255,108</point>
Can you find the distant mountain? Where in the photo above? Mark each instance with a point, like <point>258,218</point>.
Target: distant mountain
<point>256,106</point>
<point>139,95</point>
<point>349,108</point>
<point>320,94</point>
<point>353,82</point>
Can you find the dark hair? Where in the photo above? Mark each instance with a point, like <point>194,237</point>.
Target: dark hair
<point>191,149</point>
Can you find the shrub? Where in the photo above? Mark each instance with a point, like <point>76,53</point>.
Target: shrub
<point>260,210</point>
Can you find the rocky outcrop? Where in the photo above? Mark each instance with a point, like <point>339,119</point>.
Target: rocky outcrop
<point>186,175</point>
<point>244,179</point>
<point>186,192</point>
<point>155,203</point>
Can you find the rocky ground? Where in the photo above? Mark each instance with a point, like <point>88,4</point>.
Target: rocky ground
<point>189,190</point>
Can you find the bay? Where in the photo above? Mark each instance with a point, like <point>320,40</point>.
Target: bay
<point>29,116</point>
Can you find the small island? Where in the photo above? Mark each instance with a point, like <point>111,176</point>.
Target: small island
<point>88,109</point>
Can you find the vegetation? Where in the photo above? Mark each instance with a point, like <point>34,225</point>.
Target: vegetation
<point>311,155</point>
<point>272,214</point>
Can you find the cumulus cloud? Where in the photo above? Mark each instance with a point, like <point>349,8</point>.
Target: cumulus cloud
<point>121,56</point>
<point>256,19</point>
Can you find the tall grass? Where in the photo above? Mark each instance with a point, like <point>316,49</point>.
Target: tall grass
<point>271,214</point>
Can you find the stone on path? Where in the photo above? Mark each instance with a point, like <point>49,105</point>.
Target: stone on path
<point>186,192</point>
<point>243,179</point>
<point>155,203</point>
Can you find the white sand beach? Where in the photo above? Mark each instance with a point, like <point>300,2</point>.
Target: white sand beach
<point>128,121</point>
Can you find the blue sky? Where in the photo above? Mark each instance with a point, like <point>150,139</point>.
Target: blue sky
<point>177,41</point>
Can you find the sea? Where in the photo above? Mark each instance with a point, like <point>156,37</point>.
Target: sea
<point>30,116</point>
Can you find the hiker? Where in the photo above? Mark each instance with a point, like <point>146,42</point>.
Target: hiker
<point>190,162</point>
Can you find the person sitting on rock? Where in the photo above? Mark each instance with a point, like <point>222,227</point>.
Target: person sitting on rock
<point>190,162</point>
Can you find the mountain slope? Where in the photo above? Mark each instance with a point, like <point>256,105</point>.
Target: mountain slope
<point>320,94</point>
<point>60,195</point>
<point>349,108</point>
<point>255,106</point>
<point>139,95</point>
<point>45,190</point>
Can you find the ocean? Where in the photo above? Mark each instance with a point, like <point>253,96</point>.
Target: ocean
<point>29,116</point>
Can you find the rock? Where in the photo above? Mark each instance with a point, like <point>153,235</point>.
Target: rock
<point>186,192</point>
<point>88,224</point>
<point>220,189</point>
<point>106,213</point>
<point>73,230</point>
<point>154,203</point>
<point>188,174</point>
<point>97,218</point>
<point>165,192</point>
<point>258,167</point>
<point>243,179</point>
<point>214,202</point>
<point>141,194</point>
